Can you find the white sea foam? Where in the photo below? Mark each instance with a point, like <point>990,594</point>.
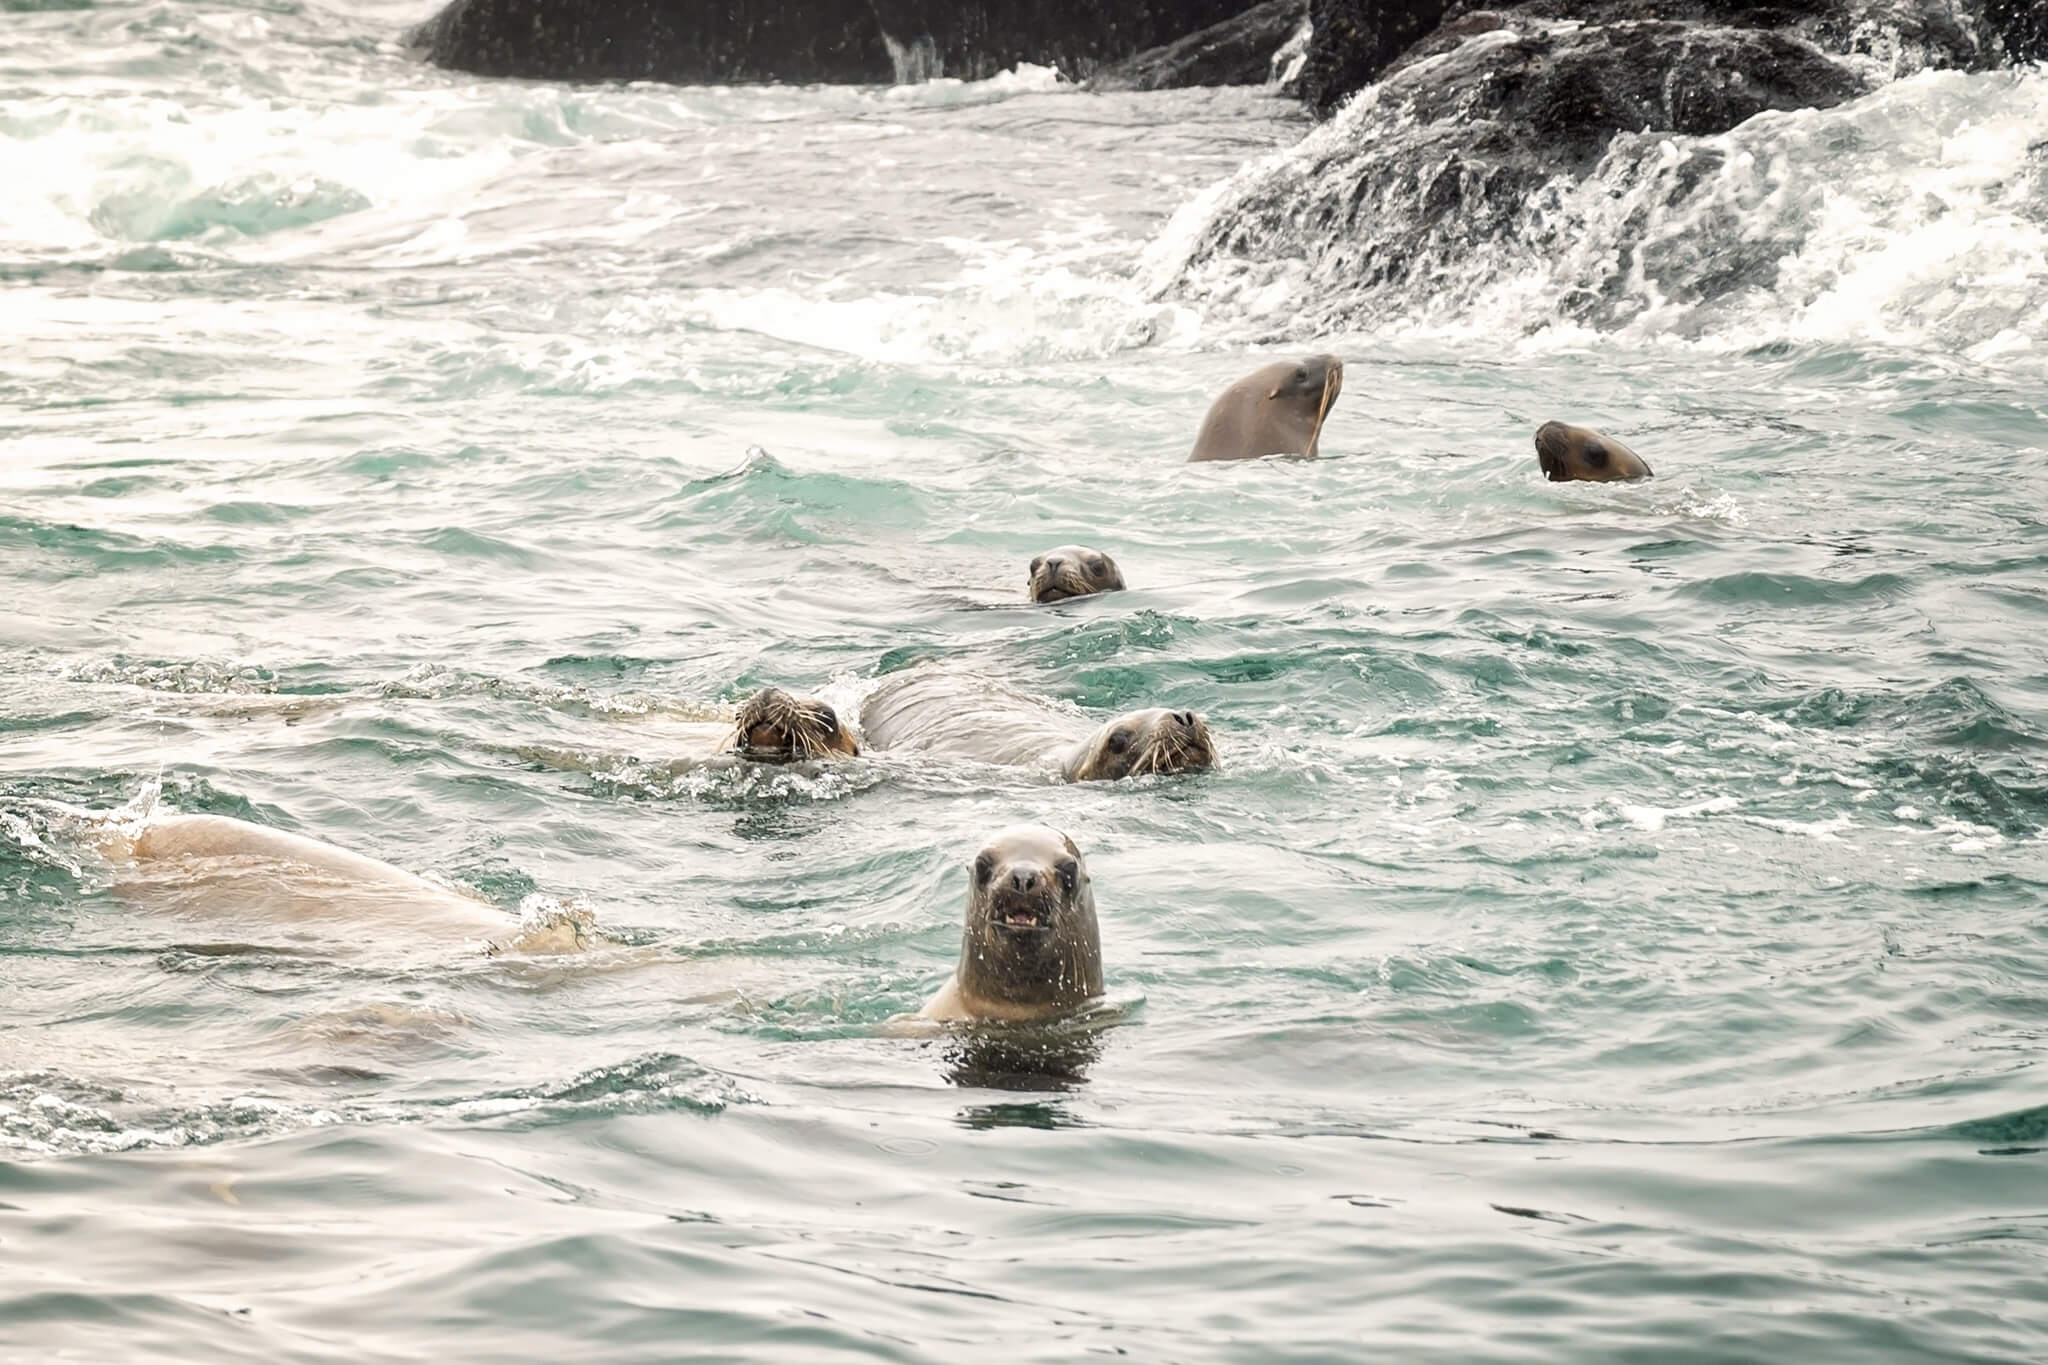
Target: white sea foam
<point>1654,818</point>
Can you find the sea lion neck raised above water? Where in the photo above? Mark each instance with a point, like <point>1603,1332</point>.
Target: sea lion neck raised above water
<point>1566,453</point>
<point>1277,410</point>
<point>1030,948</point>
<point>1073,571</point>
<point>941,711</point>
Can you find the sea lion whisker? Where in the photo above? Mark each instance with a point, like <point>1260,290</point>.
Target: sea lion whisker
<point>1315,433</point>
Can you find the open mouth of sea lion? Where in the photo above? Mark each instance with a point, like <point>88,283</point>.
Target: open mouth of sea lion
<point>1021,916</point>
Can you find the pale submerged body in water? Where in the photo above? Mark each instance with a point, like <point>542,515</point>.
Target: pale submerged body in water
<point>228,872</point>
<point>958,715</point>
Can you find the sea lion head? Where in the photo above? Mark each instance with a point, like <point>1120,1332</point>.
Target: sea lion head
<point>1073,571</point>
<point>1030,946</point>
<point>1151,741</point>
<point>775,727</point>
<point>1317,379</point>
<point>1278,409</point>
<point>1567,453</point>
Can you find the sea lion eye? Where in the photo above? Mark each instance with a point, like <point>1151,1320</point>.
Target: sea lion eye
<point>1596,455</point>
<point>1119,740</point>
<point>827,717</point>
<point>984,868</point>
<point>1037,563</point>
<point>1069,871</point>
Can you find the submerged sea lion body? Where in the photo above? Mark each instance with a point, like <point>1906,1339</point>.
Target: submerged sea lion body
<point>1566,453</point>
<point>229,871</point>
<point>1030,948</point>
<point>938,711</point>
<point>1073,571</point>
<point>1277,410</point>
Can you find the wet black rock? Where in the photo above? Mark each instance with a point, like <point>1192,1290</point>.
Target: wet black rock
<point>1353,41</point>
<point>1357,41</point>
<point>1456,171</point>
<point>2019,26</point>
<point>1564,89</point>
<point>975,39</point>
<point>1569,150</point>
<point>845,41</point>
<point>660,40</point>
<point>1239,51</point>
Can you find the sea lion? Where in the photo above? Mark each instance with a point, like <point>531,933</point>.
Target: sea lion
<point>1566,453</point>
<point>776,727</point>
<point>935,710</point>
<point>1073,571</point>
<point>227,870</point>
<point>1277,410</point>
<point>772,726</point>
<point>1030,948</point>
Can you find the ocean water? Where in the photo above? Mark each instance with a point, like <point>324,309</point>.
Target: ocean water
<point>1615,930</point>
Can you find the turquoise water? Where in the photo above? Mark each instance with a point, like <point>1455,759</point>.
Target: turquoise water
<point>1614,932</point>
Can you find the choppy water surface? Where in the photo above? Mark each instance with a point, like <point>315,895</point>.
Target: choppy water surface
<point>1616,930</point>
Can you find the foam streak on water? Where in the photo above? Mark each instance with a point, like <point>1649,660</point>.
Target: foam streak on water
<point>1614,931</point>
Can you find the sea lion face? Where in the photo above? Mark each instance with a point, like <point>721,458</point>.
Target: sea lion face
<point>775,727</point>
<point>1073,571</point>
<point>1138,742</point>
<point>1317,381</point>
<point>1031,944</point>
<point>1566,453</point>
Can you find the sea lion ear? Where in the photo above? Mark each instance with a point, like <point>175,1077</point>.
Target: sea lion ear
<point>1070,846</point>
<point>1274,393</point>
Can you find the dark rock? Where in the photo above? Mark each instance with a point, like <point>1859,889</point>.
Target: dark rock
<point>1353,41</point>
<point>1910,34</point>
<point>975,39</point>
<point>1569,90</point>
<point>661,40</point>
<point>1461,152</point>
<point>2020,27</point>
<point>848,41</point>
<point>1238,51</point>
<point>1357,41</point>
<point>1568,161</point>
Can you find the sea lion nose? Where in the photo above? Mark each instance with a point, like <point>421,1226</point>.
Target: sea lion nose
<point>1186,719</point>
<point>1024,879</point>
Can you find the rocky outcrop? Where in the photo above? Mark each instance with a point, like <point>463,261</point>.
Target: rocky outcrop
<point>1238,51</point>
<point>847,41</point>
<point>2019,26</point>
<point>1357,41</point>
<point>1352,41</point>
<point>1453,175</point>
<point>1574,150</point>
<point>975,39</point>
<point>659,40</point>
